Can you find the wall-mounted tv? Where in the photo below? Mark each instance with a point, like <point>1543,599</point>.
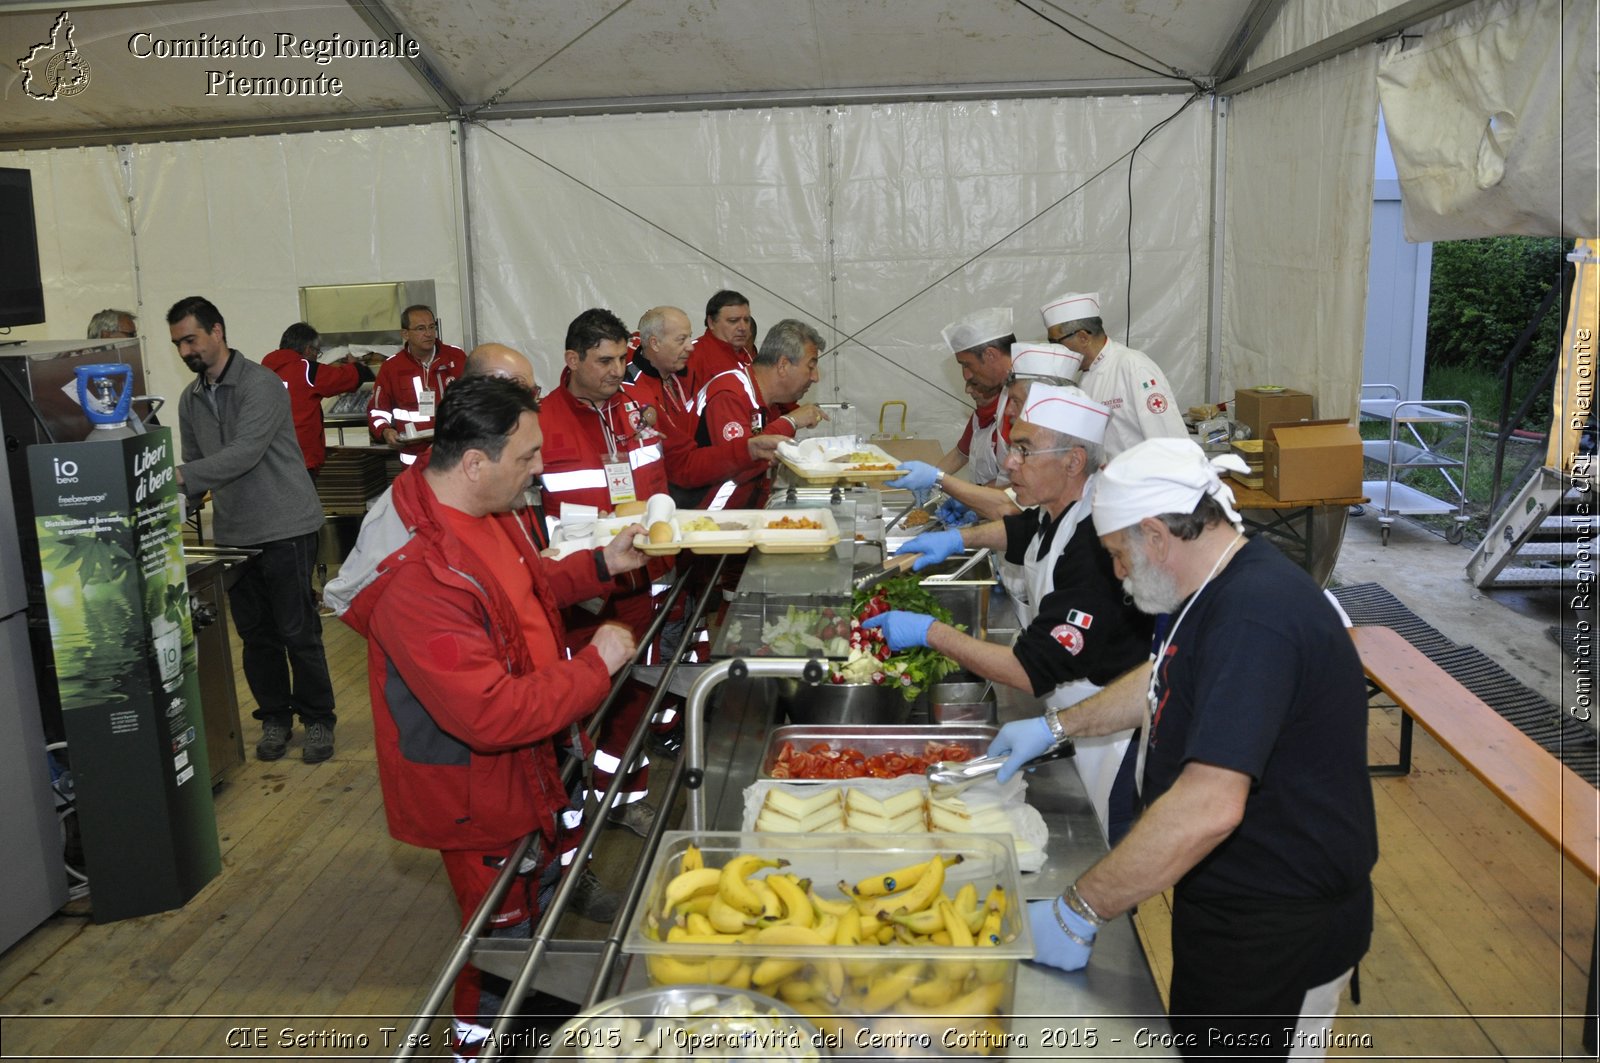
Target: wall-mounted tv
<point>21,293</point>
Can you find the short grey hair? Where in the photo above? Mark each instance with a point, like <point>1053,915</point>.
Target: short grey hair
<point>107,322</point>
<point>1092,325</point>
<point>1188,526</point>
<point>654,323</point>
<point>1094,451</point>
<point>786,341</point>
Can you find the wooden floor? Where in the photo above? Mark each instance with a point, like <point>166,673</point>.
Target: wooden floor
<point>321,925</point>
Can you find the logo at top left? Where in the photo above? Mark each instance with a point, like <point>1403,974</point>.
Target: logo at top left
<point>54,69</point>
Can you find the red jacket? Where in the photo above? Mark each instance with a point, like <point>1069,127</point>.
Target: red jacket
<point>577,438</point>
<point>689,464</point>
<point>462,722</point>
<point>401,379</point>
<point>733,408</point>
<point>711,356</point>
<point>309,383</point>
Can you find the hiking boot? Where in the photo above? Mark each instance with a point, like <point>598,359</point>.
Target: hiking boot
<point>637,817</point>
<point>592,900</point>
<point>274,740</point>
<point>319,742</point>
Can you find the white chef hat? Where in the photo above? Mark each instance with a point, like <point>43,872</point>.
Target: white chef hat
<point>1074,307</point>
<point>1066,410</point>
<point>978,328</point>
<point>1045,359</point>
<point>1162,475</point>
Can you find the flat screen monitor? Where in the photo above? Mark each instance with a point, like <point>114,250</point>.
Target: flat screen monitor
<point>21,293</point>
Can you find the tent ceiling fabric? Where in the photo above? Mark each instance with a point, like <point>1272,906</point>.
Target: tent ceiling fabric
<point>518,57</point>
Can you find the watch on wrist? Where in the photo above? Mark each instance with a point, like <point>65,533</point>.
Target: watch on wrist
<point>1058,730</point>
<point>938,478</point>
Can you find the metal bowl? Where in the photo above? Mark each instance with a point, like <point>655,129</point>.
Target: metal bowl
<point>600,1032</point>
<point>842,703</point>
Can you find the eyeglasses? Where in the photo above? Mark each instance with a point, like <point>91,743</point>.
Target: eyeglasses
<point>1022,452</point>
<point>432,326</point>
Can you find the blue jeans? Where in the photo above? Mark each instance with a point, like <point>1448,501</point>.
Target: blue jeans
<point>275,614</point>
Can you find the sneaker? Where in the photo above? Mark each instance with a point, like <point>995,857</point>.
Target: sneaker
<point>319,742</point>
<point>637,817</point>
<point>592,900</point>
<point>274,740</point>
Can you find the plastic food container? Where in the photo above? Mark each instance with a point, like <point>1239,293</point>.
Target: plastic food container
<point>875,998</point>
<point>688,1021</point>
<point>874,740</point>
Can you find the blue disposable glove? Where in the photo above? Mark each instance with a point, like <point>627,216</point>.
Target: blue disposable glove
<point>902,630</point>
<point>953,514</point>
<point>1051,945</point>
<point>935,546</point>
<point>919,476</point>
<point>1019,742</point>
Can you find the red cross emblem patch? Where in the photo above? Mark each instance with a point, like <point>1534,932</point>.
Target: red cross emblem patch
<point>733,430</point>
<point>1156,403</point>
<point>1071,638</point>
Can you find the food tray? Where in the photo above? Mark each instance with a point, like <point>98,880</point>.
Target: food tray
<point>827,472</point>
<point>800,540</point>
<point>988,973</point>
<point>660,1014</point>
<point>872,741</point>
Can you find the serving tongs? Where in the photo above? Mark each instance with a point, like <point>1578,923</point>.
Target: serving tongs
<point>966,566</point>
<point>892,566</point>
<point>949,777</point>
<point>937,496</point>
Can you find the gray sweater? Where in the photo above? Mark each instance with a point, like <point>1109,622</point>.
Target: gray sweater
<point>243,450</point>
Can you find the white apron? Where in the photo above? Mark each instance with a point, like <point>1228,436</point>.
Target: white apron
<point>1098,759</point>
<point>986,448</point>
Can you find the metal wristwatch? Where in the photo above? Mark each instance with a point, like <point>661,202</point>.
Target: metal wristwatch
<point>1058,730</point>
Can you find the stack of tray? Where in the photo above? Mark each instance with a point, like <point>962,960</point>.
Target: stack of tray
<point>1251,451</point>
<point>350,477</point>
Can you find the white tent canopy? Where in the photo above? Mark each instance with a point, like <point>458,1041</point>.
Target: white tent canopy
<point>874,167</point>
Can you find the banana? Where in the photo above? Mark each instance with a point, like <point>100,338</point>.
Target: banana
<point>974,919</point>
<point>849,929</point>
<point>733,885</point>
<point>928,886</point>
<point>889,989</point>
<point>771,906</point>
<point>933,993</point>
<point>827,907</point>
<point>700,903</point>
<point>680,935</point>
<point>827,927</point>
<point>984,1000</point>
<point>940,937</point>
<point>831,973</point>
<point>924,922</point>
<point>989,933</point>
<point>726,919</point>
<point>966,900</point>
<point>697,923</point>
<point>996,900</point>
<point>785,934</point>
<point>954,925</point>
<point>692,859</point>
<point>797,909</point>
<point>906,937</point>
<point>886,933</point>
<point>898,879</point>
<point>667,970</point>
<point>798,990</point>
<point>688,884</point>
<point>740,978</point>
<point>773,969</point>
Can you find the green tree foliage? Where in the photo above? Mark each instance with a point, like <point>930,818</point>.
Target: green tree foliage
<point>1484,292</point>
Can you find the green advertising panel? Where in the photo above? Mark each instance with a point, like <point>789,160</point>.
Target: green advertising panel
<point>111,550</point>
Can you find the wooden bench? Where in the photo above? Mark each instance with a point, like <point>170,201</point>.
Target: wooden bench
<point>1551,797</point>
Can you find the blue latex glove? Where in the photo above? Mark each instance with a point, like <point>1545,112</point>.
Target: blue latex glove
<point>1019,742</point>
<point>953,514</point>
<point>1051,945</point>
<point>935,546</point>
<point>902,630</point>
<point>919,476</point>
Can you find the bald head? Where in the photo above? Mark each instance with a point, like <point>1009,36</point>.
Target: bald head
<point>496,359</point>
<point>665,338</point>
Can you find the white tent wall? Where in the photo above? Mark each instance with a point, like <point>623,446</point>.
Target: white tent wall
<point>244,222</point>
<point>1299,217</point>
<point>861,220</point>
<point>1302,23</point>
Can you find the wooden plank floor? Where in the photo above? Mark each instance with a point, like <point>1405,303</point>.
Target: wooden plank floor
<point>322,924</point>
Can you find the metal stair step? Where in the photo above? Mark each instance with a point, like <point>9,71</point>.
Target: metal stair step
<point>1567,525</point>
<point>1550,551</point>
<point>1527,576</point>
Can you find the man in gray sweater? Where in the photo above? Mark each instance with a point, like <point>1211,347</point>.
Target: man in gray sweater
<point>239,444</point>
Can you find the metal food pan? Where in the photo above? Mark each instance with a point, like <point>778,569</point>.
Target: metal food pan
<point>873,740</point>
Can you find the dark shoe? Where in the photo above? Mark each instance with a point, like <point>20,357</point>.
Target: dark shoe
<point>592,900</point>
<point>319,742</point>
<point>274,740</point>
<point>637,817</point>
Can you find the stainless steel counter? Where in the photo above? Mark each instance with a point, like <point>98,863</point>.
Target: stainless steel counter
<point>1109,1010</point>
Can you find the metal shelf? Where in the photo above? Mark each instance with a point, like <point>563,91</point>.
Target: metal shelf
<point>1397,455</point>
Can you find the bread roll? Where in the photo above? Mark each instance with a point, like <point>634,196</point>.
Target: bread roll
<point>660,532</point>
<point>629,509</point>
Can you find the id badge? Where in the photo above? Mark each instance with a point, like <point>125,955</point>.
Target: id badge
<point>619,481</point>
<point>425,403</point>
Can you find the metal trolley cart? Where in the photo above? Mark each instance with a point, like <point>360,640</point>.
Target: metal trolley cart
<point>1407,448</point>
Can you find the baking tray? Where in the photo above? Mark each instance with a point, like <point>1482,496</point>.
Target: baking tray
<point>872,740</point>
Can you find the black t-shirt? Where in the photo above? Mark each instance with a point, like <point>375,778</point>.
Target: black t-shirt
<point>1086,627</point>
<point>1262,678</point>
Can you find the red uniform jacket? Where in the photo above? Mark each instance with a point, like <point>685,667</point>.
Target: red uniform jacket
<point>401,380</point>
<point>462,721</point>
<point>711,356</point>
<point>309,383</point>
<point>733,408</point>
<point>689,464</point>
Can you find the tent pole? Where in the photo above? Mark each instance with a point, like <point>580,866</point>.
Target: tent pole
<point>1219,206</point>
<point>463,218</point>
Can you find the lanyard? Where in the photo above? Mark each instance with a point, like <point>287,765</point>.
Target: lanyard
<point>1151,701</point>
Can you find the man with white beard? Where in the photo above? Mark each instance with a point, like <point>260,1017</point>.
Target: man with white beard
<point>1258,808</point>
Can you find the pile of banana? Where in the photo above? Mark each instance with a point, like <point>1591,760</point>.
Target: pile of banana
<point>906,907</point>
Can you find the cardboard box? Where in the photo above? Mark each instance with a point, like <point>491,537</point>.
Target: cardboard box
<point>1311,460</point>
<point>1258,408</point>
